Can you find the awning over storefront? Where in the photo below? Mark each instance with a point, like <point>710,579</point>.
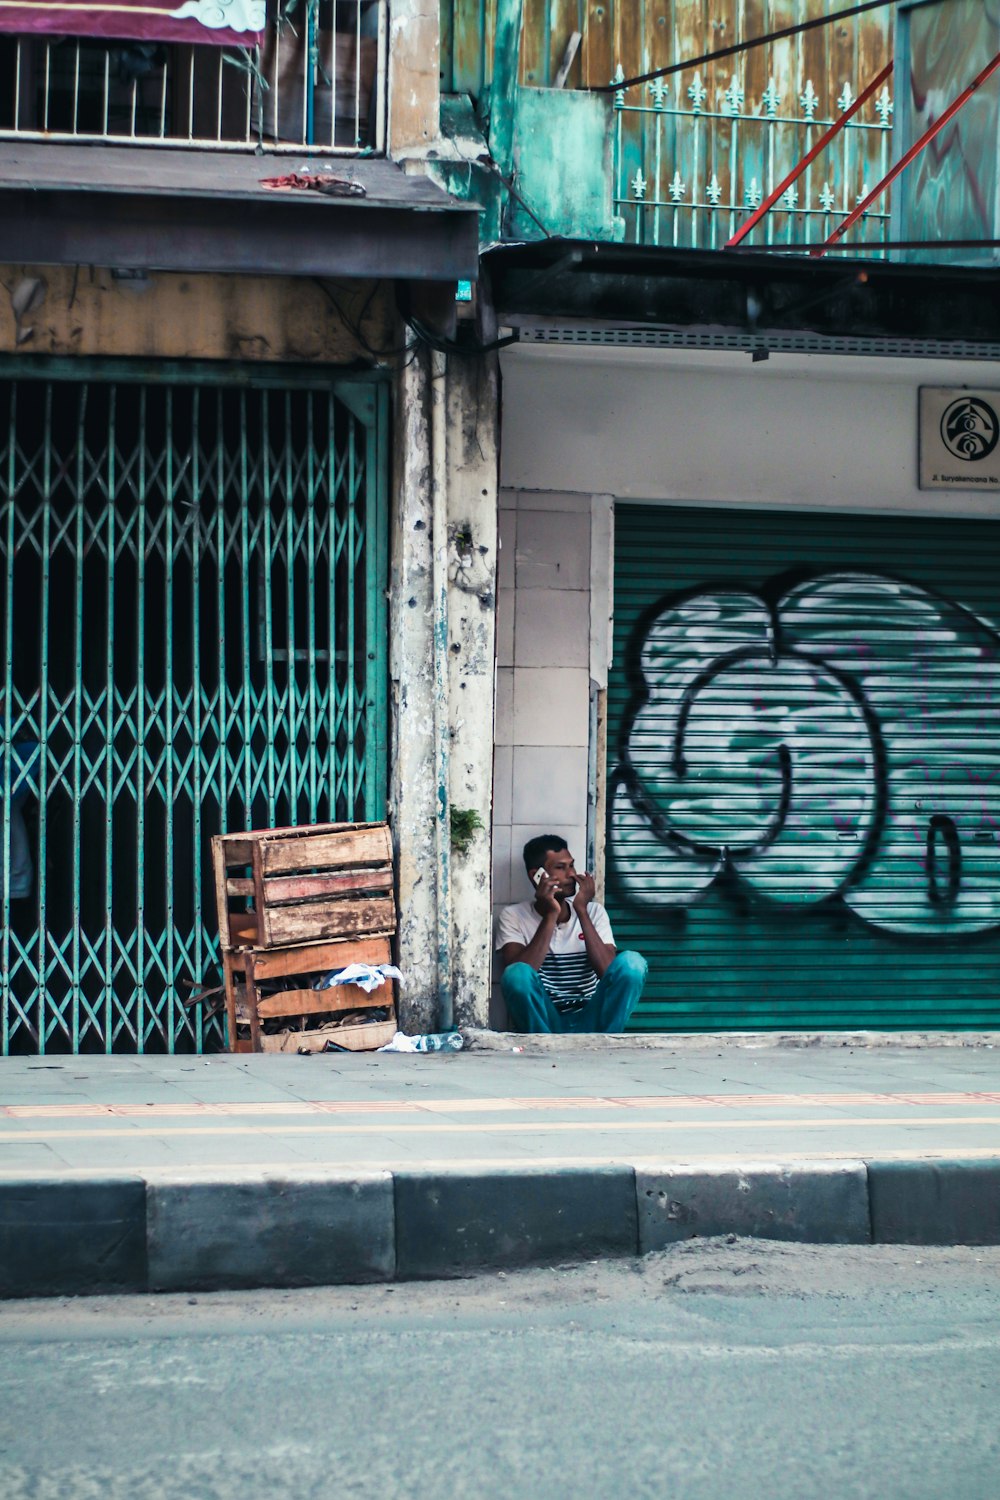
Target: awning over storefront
<point>198,211</point>
<point>763,300</point>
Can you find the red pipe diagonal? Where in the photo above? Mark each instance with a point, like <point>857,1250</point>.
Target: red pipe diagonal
<point>809,158</point>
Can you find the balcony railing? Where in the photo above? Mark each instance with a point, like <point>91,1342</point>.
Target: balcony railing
<point>317,82</point>
<point>689,169</point>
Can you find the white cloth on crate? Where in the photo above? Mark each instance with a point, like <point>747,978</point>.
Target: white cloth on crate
<point>367,977</point>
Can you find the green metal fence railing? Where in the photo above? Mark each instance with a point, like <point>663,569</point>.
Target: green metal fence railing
<point>192,601</point>
<point>689,171</point>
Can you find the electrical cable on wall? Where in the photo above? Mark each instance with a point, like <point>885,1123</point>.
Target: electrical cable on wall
<point>456,346</point>
<point>354,325</point>
<point>421,333</point>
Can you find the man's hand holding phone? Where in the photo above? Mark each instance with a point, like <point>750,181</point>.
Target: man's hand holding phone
<point>547,896</point>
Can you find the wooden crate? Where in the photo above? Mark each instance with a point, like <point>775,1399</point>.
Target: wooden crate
<point>304,885</point>
<point>362,1038</point>
<point>245,969</point>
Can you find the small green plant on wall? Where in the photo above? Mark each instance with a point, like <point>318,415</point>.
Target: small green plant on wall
<point>465,824</point>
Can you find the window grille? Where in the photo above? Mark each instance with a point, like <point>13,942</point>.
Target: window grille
<point>317,81</point>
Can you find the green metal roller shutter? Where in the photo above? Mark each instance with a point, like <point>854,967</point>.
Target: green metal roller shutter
<point>193,639</point>
<point>804,768</point>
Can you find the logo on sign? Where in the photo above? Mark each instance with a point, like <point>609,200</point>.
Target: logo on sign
<point>970,429</point>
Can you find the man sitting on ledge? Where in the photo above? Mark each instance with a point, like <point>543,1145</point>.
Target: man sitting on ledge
<point>562,971</point>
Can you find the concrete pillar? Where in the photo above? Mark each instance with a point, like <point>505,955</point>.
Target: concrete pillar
<point>414,76</point>
<point>412,794</point>
<point>470,510</point>
<point>473,437</point>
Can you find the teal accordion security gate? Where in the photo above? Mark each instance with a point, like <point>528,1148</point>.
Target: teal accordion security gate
<point>192,608</point>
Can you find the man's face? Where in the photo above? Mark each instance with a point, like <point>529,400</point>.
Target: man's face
<point>559,866</point>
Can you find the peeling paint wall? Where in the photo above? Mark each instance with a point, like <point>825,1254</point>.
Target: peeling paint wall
<point>88,310</point>
<point>412,788</point>
<point>472,570</point>
<point>472,462</point>
<point>414,84</point>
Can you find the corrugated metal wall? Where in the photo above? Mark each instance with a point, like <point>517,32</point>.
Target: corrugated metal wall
<point>645,34</point>
<point>804,747</point>
<point>695,153</point>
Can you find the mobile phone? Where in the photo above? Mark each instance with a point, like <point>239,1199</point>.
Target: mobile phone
<point>538,877</point>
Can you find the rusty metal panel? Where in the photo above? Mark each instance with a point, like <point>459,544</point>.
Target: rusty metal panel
<point>698,151</point>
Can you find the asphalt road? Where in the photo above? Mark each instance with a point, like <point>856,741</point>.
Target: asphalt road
<point>713,1370</point>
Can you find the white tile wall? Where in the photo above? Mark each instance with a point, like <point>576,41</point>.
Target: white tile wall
<point>503,733</point>
<point>507,553</point>
<point>505,627</point>
<point>551,706</point>
<point>543,685</point>
<point>501,865</point>
<point>553,550</point>
<point>551,500</point>
<point>552,628</point>
<point>503,765</point>
<point>549,785</point>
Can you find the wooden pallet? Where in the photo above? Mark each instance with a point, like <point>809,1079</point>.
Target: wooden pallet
<point>245,969</point>
<point>303,885</point>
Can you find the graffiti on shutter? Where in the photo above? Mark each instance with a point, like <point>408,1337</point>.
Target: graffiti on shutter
<point>837,740</point>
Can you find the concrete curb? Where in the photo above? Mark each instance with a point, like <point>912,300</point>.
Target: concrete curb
<point>306,1228</point>
<point>479,1039</point>
<point>171,1232</point>
<point>825,1203</point>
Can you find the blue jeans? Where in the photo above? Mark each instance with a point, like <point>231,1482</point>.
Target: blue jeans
<point>608,1009</point>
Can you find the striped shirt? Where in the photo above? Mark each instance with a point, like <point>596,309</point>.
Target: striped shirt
<point>567,975</point>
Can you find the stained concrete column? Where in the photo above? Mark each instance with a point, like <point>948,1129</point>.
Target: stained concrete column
<point>414,75</point>
<point>470,470</point>
<point>473,438</point>
<point>412,787</point>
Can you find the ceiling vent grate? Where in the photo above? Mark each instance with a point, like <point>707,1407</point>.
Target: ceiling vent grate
<point>747,343</point>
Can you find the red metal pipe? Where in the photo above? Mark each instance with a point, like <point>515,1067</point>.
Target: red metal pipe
<point>908,156</point>
<point>809,158</point>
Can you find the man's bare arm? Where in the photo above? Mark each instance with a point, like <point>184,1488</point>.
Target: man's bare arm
<point>601,954</point>
<point>537,951</point>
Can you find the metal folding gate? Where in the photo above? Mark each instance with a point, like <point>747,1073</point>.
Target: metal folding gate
<point>804,757</point>
<point>193,625</point>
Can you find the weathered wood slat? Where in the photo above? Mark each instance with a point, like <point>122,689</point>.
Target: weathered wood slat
<point>238,845</point>
<point>280,889</point>
<point>243,931</point>
<point>755,62</point>
<point>566,21</point>
<point>313,922</point>
<point>534,43</point>
<point>645,34</point>
<point>362,1038</point>
<point>245,971</point>
<point>239,885</point>
<point>346,848</point>
<point>312,1002</point>
<point>315,958</point>
<point>235,848</point>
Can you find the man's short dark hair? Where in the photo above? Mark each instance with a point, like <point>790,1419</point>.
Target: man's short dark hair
<point>536,849</point>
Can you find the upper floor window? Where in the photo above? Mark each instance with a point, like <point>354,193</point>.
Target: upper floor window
<point>315,80</point>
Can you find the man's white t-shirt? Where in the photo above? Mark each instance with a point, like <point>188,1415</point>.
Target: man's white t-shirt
<point>567,974</point>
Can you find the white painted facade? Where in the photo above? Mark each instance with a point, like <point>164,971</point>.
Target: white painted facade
<point>582,424</point>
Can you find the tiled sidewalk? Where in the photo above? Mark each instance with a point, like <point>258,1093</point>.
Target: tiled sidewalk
<point>702,1138</point>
